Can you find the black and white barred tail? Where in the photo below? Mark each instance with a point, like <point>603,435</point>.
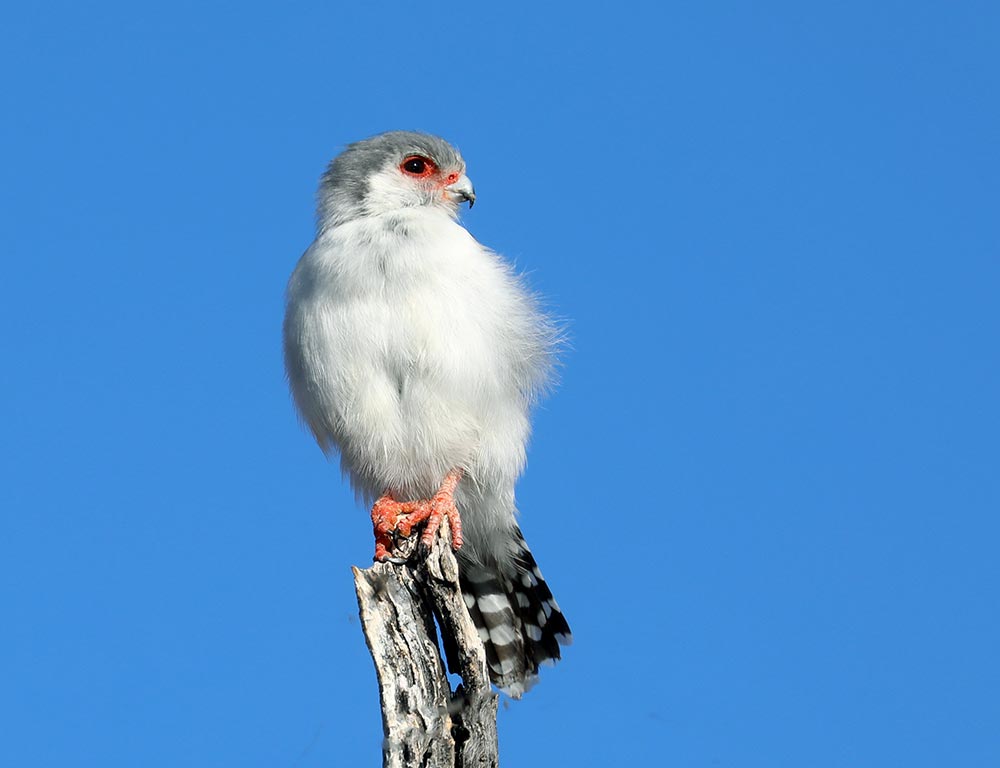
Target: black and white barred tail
<point>518,620</point>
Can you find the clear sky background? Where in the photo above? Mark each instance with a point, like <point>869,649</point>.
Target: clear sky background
<point>765,494</point>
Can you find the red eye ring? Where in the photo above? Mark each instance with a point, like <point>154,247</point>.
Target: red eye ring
<point>417,166</point>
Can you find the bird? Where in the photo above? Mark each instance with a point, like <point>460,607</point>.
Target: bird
<point>417,354</point>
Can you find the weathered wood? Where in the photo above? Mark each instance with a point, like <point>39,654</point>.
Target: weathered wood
<point>425,723</point>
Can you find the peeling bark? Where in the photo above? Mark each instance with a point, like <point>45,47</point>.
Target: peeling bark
<point>425,723</point>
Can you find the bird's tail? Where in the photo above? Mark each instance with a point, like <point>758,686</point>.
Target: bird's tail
<point>518,620</point>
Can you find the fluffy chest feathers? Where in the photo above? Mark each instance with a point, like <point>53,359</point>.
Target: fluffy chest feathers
<point>406,342</point>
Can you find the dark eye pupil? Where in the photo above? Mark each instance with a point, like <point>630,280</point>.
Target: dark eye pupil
<point>415,165</point>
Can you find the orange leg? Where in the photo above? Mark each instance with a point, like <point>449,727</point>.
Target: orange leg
<point>389,516</point>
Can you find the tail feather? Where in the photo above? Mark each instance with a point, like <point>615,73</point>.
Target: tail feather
<point>518,620</point>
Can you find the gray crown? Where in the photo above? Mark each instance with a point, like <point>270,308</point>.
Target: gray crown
<point>344,186</point>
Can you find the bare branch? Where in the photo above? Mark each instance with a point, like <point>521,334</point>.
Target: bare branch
<point>425,723</point>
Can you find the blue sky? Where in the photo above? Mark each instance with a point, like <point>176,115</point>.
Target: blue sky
<point>765,493</point>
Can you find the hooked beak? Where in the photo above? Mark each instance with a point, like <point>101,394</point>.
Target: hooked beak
<point>462,191</point>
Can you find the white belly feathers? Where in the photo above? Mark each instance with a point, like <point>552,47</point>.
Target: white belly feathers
<point>399,355</point>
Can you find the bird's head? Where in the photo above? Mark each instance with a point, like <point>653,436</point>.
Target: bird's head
<point>392,171</point>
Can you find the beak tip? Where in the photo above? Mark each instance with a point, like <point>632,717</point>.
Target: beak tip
<point>462,191</point>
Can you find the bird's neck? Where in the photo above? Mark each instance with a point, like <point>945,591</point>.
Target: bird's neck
<point>395,247</point>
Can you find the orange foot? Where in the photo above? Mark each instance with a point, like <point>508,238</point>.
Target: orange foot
<point>390,516</point>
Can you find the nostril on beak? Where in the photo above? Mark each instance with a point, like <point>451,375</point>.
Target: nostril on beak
<point>461,190</point>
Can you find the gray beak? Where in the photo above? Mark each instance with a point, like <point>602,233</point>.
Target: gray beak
<point>462,191</point>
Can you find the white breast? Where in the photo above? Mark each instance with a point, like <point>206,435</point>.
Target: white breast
<point>412,350</point>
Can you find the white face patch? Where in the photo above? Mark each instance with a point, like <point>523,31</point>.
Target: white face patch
<point>390,189</point>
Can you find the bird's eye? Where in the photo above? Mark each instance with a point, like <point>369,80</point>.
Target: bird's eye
<point>415,165</point>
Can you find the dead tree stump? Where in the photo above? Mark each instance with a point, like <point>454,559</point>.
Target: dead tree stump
<point>425,723</point>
